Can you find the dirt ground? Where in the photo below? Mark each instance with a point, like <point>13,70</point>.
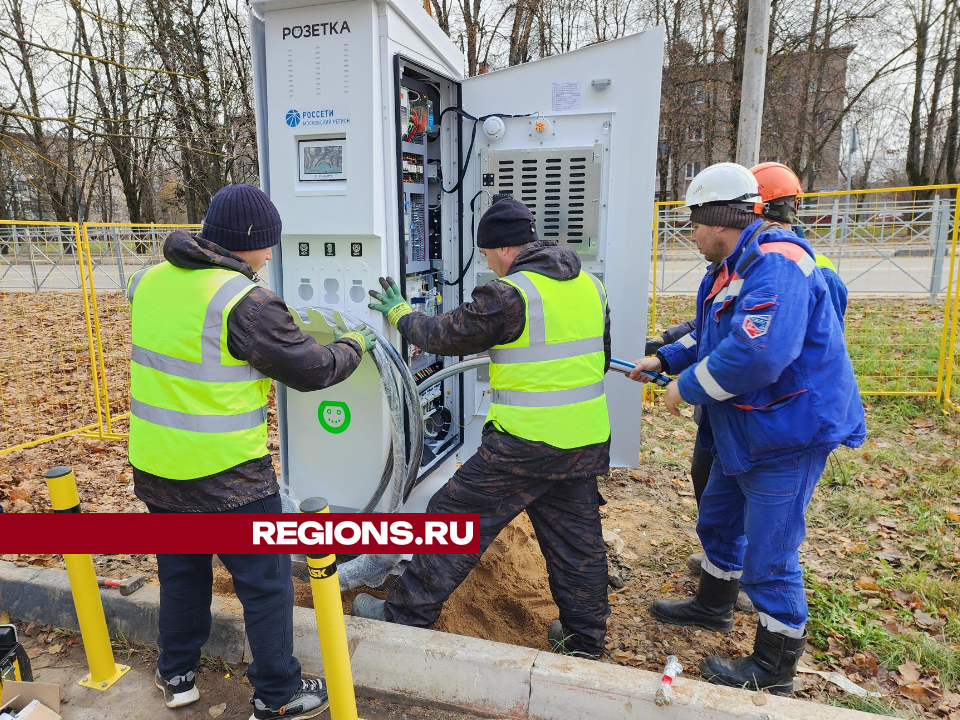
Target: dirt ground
<point>881,555</point>
<point>651,509</point>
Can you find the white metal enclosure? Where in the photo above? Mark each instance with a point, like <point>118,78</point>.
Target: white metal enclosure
<point>364,123</point>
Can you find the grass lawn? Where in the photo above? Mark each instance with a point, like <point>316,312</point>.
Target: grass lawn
<point>882,555</point>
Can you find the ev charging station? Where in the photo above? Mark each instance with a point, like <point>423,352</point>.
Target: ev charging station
<point>381,158</point>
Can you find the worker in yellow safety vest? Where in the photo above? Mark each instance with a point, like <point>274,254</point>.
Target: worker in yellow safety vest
<point>546,325</point>
<point>207,339</point>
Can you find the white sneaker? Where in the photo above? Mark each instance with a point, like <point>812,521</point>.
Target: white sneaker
<point>178,691</point>
<point>309,701</point>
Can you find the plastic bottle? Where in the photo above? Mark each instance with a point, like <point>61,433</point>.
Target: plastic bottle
<point>670,672</point>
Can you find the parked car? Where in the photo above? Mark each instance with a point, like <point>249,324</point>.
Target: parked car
<point>886,218</point>
<point>819,219</point>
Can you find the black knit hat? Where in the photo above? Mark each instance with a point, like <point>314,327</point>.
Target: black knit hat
<point>242,217</point>
<point>721,215</point>
<point>508,222</point>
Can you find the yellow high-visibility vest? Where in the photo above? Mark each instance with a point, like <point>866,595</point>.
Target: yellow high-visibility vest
<point>824,262</point>
<point>547,385</point>
<point>195,410</point>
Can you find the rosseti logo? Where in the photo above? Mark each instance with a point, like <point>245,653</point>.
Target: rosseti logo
<point>293,118</point>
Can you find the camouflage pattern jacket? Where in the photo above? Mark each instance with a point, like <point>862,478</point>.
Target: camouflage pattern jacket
<point>261,331</point>
<point>496,315</point>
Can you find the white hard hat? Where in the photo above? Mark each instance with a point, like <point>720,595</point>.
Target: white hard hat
<point>723,183</point>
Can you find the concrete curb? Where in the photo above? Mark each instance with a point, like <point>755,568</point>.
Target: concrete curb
<point>43,594</point>
<point>471,674</point>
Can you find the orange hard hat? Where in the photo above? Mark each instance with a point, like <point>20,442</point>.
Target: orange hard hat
<point>776,180</point>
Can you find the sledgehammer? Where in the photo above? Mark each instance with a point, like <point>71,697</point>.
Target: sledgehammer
<point>128,586</point>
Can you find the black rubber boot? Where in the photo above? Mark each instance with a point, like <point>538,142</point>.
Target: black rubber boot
<point>560,640</point>
<point>557,636</point>
<point>771,667</point>
<point>711,608</point>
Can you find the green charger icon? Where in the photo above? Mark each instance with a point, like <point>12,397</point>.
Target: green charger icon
<point>334,416</point>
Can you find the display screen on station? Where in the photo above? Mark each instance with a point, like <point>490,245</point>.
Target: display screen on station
<point>322,160</point>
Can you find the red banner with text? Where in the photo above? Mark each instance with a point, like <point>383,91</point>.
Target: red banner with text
<point>237,533</point>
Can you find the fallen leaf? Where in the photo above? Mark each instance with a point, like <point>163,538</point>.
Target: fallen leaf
<point>893,556</point>
<point>4,618</point>
<point>54,649</point>
<point>922,694</point>
<point>925,620</point>
<point>902,597</point>
<point>18,493</point>
<point>866,583</point>
<point>34,652</point>
<point>217,710</point>
<point>840,681</point>
<point>909,672</point>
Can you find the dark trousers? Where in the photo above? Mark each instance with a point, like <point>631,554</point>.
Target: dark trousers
<point>566,517</point>
<point>700,465</point>
<point>264,586</point>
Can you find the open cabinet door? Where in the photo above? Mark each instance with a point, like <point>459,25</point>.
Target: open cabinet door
<point>582,156</point>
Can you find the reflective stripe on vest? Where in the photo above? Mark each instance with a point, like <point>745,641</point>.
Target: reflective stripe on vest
<point>198,423</point>
<point>547,385</point>
<point>195,409</point>
<point>548,398</point>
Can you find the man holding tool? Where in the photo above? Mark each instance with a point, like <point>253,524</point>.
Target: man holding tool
<point>767,364</point>
<point>780,189</point>
<point>206,342</point>
<point>547,435</point>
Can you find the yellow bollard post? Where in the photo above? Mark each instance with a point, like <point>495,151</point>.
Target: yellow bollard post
<point>328,606</point>
<point>104,672</point>
<point>62,486</point>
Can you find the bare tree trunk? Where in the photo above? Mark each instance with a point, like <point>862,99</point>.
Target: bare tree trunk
<point>914,164</point>
<point>736,64</point>
<point>523,15</point>
<point>953,124</point>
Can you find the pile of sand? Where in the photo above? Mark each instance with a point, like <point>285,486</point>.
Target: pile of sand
<point>506,598</point>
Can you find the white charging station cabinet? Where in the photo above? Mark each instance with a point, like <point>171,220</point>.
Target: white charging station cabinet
<point>375,174</point>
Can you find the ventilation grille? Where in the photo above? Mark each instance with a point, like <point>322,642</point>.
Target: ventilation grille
<point>560,186</point>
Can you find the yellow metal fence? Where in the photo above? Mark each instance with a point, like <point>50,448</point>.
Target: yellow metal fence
<point>896,249</point>
<point>65,341</point>
<point>65,338</point>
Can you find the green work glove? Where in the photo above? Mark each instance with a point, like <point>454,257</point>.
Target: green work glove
<point>362,335</point>
<point>391,302</point>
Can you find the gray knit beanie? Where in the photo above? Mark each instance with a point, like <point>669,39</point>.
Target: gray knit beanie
<point>720,215</point>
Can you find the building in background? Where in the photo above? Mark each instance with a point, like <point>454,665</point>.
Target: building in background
<point>803,108</point>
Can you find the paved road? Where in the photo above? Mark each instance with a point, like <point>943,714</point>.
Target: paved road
<point>61,277</point>
<point>862,274</point>
<point>871,274</point>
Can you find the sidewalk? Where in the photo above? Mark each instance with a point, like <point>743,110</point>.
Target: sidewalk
<point>135,697</point>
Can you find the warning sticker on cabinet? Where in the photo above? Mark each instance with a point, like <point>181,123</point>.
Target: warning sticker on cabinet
<point>566,96</point>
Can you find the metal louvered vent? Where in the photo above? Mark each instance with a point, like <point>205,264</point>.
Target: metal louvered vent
<point>561,186</point>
